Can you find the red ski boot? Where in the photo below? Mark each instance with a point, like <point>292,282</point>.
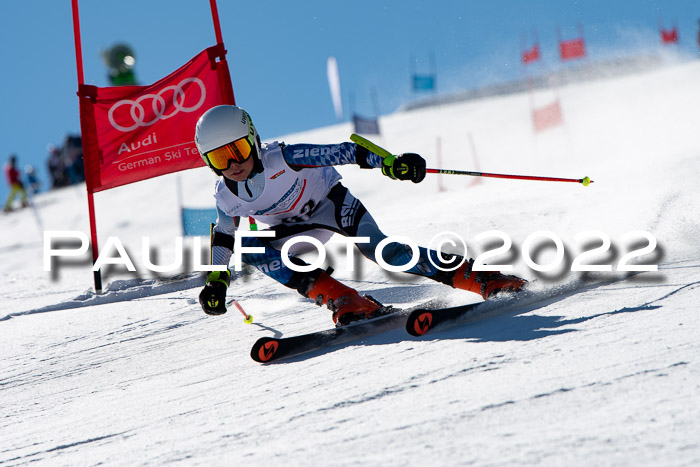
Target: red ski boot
<point>346,304</point>
<point>485,283</point>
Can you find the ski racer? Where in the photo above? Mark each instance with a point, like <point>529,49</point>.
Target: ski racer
<point>295,190</point>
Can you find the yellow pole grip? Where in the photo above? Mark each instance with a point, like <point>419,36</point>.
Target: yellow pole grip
<point>370,146</point>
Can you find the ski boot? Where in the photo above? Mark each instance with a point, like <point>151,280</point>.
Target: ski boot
<point>346,304</point>
<point>485,283</point>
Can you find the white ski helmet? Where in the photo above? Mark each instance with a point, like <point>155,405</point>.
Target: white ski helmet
<point>226,134</point>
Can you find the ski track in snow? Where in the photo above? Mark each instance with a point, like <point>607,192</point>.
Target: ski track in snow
<point>588,369</point>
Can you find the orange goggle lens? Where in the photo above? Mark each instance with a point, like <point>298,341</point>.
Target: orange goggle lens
<point>237,151</point>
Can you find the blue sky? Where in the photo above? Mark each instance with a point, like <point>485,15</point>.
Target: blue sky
<point>277,52</point>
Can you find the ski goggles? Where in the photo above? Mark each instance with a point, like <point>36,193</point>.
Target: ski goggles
<point>237,151</point>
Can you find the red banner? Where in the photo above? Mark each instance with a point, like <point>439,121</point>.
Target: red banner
<point>532,55</point>
<point>669,36</point>
<point>547,117</point>
<point>132,133</point>
<point>572,49</point>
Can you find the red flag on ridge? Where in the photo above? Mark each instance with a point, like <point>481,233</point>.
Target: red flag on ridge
<point>669,36</point>
<point>132,133</point>
<point>532,55</point>
<point>547,117</point>
<point>572,49</point>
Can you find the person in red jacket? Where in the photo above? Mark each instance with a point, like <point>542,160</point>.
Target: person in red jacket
<point>15,184</point>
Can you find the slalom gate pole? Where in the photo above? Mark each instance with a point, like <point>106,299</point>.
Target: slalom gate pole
<point>365,143</point>
<point>97,275</point>
<point>215,19</point>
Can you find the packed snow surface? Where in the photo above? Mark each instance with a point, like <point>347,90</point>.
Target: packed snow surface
<point>606,373</point>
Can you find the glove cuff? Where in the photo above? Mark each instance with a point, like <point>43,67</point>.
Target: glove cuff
<point>223,277</point>
<point>388,167</point>
<point>361,157</point>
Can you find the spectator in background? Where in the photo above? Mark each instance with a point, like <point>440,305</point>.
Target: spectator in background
<point>56,167</point>
<point>73,159</point>
<point>65,164</point>
<point>15,184</point>
<point>33,184</point>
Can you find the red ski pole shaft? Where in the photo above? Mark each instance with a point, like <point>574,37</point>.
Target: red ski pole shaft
<point>367,144</point>
<point>585,181</point>
<point>248,318</point>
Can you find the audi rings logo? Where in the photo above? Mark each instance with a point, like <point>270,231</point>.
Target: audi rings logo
<point>138,112</point>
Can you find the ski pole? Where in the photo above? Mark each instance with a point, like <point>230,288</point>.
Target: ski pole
<point>367,144</point>
<point>585,181</point>
<point>248,318</point>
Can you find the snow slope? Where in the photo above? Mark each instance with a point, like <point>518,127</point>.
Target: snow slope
<point>609,374</point>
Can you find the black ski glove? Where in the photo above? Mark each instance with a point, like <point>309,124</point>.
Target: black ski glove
<point>407,166</point>
<point>213,295</point>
